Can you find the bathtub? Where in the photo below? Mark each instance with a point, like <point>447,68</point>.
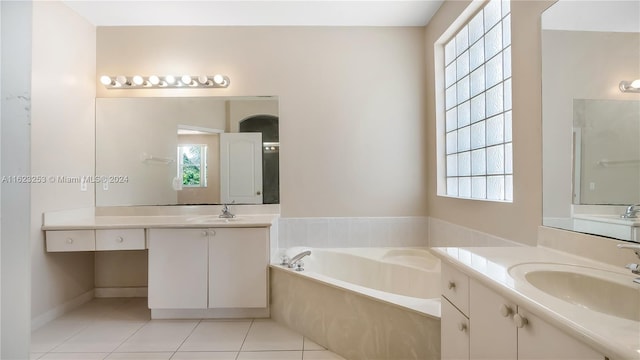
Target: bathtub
<point>363,303</point>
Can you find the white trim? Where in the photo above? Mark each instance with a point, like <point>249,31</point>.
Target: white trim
<point>62,309</point>
<point>124,292</point>
<point>577,164</point>
<point>219,313</point>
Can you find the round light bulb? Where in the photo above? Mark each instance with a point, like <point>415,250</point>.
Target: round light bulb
<point>105,80</point>
<point>203,79</point>
<point>186,79</point>
<point>154,80</point>
<point>122,80</point>
<point>218,79</point>
<point>138,80</point>
<point>635,84</point>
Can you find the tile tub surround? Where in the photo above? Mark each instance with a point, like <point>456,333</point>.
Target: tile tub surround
<point>443,233</point>
<point>352,325</point>
<point>335,232</point>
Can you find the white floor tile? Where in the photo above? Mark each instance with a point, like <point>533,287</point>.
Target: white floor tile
<point>140,356</point>
<point>55,333</point>
<point>74,356</point>
<point>221,355</point>
<point>269,335</point>
<point>100,337</point>
<point>273,355</point>
<point>159,336</point>
<point>321,355</point>
<point>35,356</point>
<point>217,336</point>
<point>310,345</point>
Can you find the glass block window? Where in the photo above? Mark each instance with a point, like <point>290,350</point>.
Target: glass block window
<point>478,106</point>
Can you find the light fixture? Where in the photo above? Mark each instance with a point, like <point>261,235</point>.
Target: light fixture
<point>167,81</point>
<point>633,86</point>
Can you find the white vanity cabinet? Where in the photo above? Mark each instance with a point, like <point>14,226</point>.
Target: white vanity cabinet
<point>212,268</point>
<point>238,267</point>
<point>178,264</point>
<point>496,328</point>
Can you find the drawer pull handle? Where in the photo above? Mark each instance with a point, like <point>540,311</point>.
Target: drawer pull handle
<point>452,285</point>
<point>505,310</point>
<point>69,241</point>
<point>119,239</point>
<point>520,321</point>
<point>462,326</point>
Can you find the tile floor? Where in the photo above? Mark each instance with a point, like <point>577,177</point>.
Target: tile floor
<point>122,329</point>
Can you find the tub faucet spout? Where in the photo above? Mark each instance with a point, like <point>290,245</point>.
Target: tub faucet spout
<point>295,262</point>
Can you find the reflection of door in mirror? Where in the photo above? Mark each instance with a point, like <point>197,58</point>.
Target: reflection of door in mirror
<point>241,168</point>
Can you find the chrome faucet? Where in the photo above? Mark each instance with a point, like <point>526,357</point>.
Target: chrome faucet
<point>296,261</point>
<point>635,268</point>
<point>226,212</point>
<point>632,212</point>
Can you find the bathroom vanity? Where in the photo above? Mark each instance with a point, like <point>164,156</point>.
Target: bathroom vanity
<point>199,265</point>
<point>536,303</point>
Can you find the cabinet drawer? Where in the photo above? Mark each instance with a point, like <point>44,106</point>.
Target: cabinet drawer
<point>120,239</point>
<point>455,287</point>
<point>72,240</point>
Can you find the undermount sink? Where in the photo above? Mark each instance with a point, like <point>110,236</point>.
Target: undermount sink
<point>594,289</point>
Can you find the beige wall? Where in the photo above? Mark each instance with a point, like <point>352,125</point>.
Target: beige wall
<point>519,220</point>
<point>351,104</point>
<point>62,128</point>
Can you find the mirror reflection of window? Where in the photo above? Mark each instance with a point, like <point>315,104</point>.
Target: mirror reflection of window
<point>192,165</point>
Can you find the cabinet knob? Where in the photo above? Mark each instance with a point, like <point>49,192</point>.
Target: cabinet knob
<point>520,321</point>
<point>452,285</point>
<point>505,310</point>
<point>119,239</point>
<point>204,233</point>
<point>212,233</point>
<point>69,241</point>
<point>462,326</point>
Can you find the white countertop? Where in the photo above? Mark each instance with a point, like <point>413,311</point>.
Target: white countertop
<point>615,337</point>
<point>155,221</point>
<point>609,219</point>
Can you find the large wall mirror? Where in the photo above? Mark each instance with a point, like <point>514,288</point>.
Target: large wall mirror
<point>187,150</point>
<point>591,129</point>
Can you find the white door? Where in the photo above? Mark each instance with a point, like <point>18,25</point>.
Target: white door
<point>241,168</point>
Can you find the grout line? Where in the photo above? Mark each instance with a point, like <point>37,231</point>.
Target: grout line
<point>245,338</point>
<point>188,336</point>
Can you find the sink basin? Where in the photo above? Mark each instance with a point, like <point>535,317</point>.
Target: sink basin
<point>594,289</point>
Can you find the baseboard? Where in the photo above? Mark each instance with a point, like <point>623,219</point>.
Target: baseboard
<point>126,292</point>
<point>222,313</point>
<point>58,311</point>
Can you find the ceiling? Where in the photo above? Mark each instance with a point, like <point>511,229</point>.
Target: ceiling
<point>256,13</point>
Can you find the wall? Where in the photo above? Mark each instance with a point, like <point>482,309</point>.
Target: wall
<point>62,128</point>
<point>16,113</point>
<point>351,104</point>
<point>519,220</point>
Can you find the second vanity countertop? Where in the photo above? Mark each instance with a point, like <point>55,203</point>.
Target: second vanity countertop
<point>613,336</point>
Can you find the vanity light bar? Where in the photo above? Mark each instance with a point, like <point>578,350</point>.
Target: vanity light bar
<point>165,82</point>
<point>630,86</point>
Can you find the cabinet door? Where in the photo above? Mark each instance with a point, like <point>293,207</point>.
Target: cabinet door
<point>537,340</point>
<point>454,329</point>
<point>493,335</point>
<point>238,267</point>
<point>178,268</point>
